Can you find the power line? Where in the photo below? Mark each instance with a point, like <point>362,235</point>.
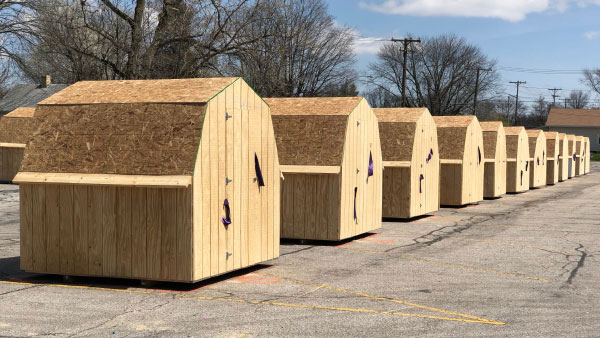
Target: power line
<point>554,96</point>
<point>518,83</point>
<point>406,42</point>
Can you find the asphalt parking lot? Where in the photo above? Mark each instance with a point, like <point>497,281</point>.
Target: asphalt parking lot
<point>525,265</point>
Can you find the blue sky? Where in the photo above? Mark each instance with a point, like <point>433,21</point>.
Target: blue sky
<point>527,34</point>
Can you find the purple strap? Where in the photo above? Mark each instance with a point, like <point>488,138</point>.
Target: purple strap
<point>527,166</point>
<point>430,156</point>
<point>259,176</point>
<point>521,177</point>
<point>355,191</point>
<point>574,157</point>
<point>370,171</point>
<point>421,178</point>
<point>538,161</point>
<point>479,154</point>
<point>227,218</point>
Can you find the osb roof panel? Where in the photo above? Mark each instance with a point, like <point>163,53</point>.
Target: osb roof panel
<point>127,139</point>
<point>313,105</point>
<point>410,115</point>
<point>533,132</point>
<point>140,91</point>
<point>21,112</point>
<point>310,140</point>
<point>551,135</point>
<point>513,130</point>
<point>461,121</point>
<point>573,117</point>
<point>15,128</point>
<point>490,139</point>
<point>490,126</point>
<point>397,140</point>
<point>451,142</point>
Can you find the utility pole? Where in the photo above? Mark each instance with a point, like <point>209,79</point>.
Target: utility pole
<point>518,83</point>
<point>554,96</point>
<point>405,44</point>
<point>565,99</point>
<point>477,88</point>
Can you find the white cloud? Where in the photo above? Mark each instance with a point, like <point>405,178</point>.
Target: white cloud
<point>510,10</point>
<point>368,45</point>
<point>591,35</point>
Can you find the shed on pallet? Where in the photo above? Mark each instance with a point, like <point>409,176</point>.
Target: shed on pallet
<point>171,180</point>
<point>572,154</point>
<point>409,148</point>
<point>494,146</point>
<point>588,155</point>
<point>537,158</point>
<point>461,159</point>
<point>15,129</point>
<point>563,157</point>
<point>330,158</point>
<point>579,156</point>
<point>552,156</point>
<point>517,159</point>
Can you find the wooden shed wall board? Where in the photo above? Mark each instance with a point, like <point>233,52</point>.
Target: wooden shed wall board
<point>106,231</point>
<point>517,154</point>
<point>579,162</point>
<point>537,160</point>
<point>226,154</point>
<point>10,161</point>
<point>588,156</point>
<point>409,134</point>
<point>563,158</point>
<point>460,140</point>
<point>494,144</point>
<point>553,160</point>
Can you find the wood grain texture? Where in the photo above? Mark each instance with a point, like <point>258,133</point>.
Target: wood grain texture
<point>517,148</point>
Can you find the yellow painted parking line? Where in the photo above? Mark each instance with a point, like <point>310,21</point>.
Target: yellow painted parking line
<point>398,301</point>
<point>513,245</point>
<point>257,302</point>
<point>466,267</point>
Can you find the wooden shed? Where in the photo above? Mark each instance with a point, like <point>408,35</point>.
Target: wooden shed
<point>563,157</point>
<point>171,180</point>
<point>409,148</point>
<point>517,159</point>
<point>587,154</point>
<point>579,159</point>
<point>537,158</point>
<point>15,129</point>
<point>460,141</point>
<point>330,158</point>
<point>572,155</point>
<point>494,146</point>
<point>552,157</point>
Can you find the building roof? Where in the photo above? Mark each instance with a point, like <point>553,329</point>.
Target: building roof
<point>141,127</point>
<point>17,126</point>
<point>399,114</point>
<point>457,121</point>
<point>491,125</point>
<point>313,105</point>
<point>27,95</point>
<point>564,117</point>
<point>198,90</point>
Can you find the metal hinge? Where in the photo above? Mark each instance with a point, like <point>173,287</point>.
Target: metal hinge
<point>227,254</point>
<point>227,116</point>
<point>357,123</point>
<point>227,180</point>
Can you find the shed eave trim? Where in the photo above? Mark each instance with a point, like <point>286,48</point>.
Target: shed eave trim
<point>12,145</point>
<point>397,164</point>
<point>310,169</point>
<point>174,181</point>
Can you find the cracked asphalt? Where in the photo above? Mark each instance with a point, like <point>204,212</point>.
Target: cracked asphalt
<point>525,265</point>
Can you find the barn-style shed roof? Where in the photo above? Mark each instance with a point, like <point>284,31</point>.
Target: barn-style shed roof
<point>133,127</point>
<point>490,131</point>
<point>452,133</point>
<point>397,128</point>
<point>17,126</point>
<point>311,131</point>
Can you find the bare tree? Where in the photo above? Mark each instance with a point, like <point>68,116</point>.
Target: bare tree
<point>299,51</point>
<point>578,99</point>
<point>119,39</point>
<point>441,74</point>
<point>591,77</point>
